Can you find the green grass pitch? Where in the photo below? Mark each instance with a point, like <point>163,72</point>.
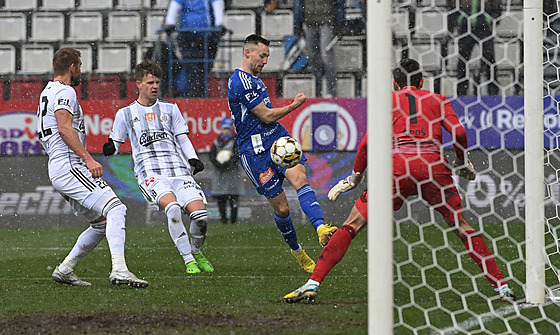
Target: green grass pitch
<point>254,269</point>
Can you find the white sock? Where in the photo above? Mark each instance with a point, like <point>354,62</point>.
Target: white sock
<point>86,242</point>
<point>198,228</point>
<point>116,235</point>
<point>178,232</point>
<point>312,282</point>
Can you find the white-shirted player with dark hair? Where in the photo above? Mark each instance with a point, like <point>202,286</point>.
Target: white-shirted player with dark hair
<point>164,163</point>
<point>77,176</point>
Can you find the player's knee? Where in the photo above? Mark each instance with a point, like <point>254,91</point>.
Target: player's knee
<point>173,212</point>
<point>99,227</point>
<point>200,220</point>
<point>114,207</point>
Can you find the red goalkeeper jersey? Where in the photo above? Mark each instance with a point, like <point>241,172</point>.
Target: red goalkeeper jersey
<point>418,119</point>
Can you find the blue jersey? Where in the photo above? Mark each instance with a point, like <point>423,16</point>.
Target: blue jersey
<point>246,92</point>
<point>195,14</point>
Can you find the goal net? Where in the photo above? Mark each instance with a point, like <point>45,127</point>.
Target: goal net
<point>438,288</point>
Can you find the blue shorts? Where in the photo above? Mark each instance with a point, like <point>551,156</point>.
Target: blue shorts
<point>265,174</point>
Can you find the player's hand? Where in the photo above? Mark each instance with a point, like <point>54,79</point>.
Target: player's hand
<point>95,168</point>
<point>345,185</point>
<point>197,165</point>
<point>109,148</point>
<point>464,169</point>
<point>299,99</point>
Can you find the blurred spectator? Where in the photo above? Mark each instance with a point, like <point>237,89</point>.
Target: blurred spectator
<point>227,184</point>
<point>193,14</point>
<point>474,21</point>
<point>324,23</point>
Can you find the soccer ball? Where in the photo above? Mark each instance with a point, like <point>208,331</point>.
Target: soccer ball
<point>286,152</point>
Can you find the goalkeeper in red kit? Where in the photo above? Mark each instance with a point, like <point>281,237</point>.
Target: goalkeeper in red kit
<point>419,168</point>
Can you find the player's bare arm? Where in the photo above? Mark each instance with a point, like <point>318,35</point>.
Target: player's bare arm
<point>269,115</point>
<point>69,136</point>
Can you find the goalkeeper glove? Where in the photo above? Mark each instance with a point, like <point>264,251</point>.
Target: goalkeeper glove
<point>347,184</point>
<point>196,164</point>
<point>464,169</point>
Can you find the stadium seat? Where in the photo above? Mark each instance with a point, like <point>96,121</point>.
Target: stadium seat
<point>345,85</point>
<point>7,60</point>
<point>86,55</point>
<point>58,5</point>
<point>113,58</point>
<point>13,27</point>
<point>228,58</point>
<point>47,27</point>
<point>246,3</point>
<point>95,4</point>
<point>275,60</point>
<point>292,84</point>
<point>275,25</point>
<point>20,4</point>
<point>241,22</point>
<point>400,23</point>
<point>85,26</point>
<point>154,21</point>
<point>507,54</point>
<point>510,24</point>
<point>349,56</point>
<point>427,53</point>
<point>133,4</point>
<point>431,24</point>
<point>25,88</point>
<point>124,26</point>
<point>160,4</point>
<point>104,88</point>
<point>131,89</point>
<point>36,59</point>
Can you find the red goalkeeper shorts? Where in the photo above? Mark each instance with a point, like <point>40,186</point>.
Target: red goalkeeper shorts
<point>429,176</point>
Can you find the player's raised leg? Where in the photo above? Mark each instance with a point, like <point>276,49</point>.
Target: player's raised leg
<point>286,227</point>
<point>309,203</point>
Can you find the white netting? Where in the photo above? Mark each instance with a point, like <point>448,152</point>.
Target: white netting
<point>438,288</point>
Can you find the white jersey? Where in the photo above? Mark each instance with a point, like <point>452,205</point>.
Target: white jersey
<point>152,131</point>
<point>55,96</point>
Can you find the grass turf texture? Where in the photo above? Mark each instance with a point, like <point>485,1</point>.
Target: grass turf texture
<point>254,270</point>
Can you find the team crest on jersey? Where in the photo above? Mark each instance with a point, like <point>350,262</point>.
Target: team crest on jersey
<point>164,117</point>
<point>266,176</point>
<point>150,117</point>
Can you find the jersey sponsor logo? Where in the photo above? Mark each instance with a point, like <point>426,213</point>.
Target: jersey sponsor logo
<point>266,176</point>
<point>251,95</point>
<point>150,117</point>
<point>65,102</point>
<point>149,138</point>
<point>164,117</point>
<point>417,132</point>
<point>149,181</point>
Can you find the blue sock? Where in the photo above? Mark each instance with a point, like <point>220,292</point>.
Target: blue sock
<point>287,229</point>
<point>310,205</point>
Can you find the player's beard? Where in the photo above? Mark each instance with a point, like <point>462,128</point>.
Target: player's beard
<point>75,81</point>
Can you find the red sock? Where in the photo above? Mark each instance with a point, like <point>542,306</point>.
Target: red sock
<point>479,252</point>
<point>333,252</point>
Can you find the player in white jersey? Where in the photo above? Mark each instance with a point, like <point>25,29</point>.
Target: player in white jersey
<point>76,175</point>
<point>164,159</point>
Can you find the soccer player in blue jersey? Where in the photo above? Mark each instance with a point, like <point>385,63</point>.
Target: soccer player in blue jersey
<point>256,122</point>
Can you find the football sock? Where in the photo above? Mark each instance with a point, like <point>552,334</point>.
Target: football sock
<point>310,205</point>
<point>333,252</point>
<point>116,234</point>
<point>178,232</point>
<point>479,252</point>
<point>287,229</point>
<point>86,242</point>
<point>198,228</point>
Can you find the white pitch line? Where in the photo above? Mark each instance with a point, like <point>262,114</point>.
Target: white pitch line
<point>189,277</point>
<point>481,319</point>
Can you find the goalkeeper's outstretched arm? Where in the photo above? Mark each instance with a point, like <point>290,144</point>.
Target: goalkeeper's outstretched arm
<point>357,175</point>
